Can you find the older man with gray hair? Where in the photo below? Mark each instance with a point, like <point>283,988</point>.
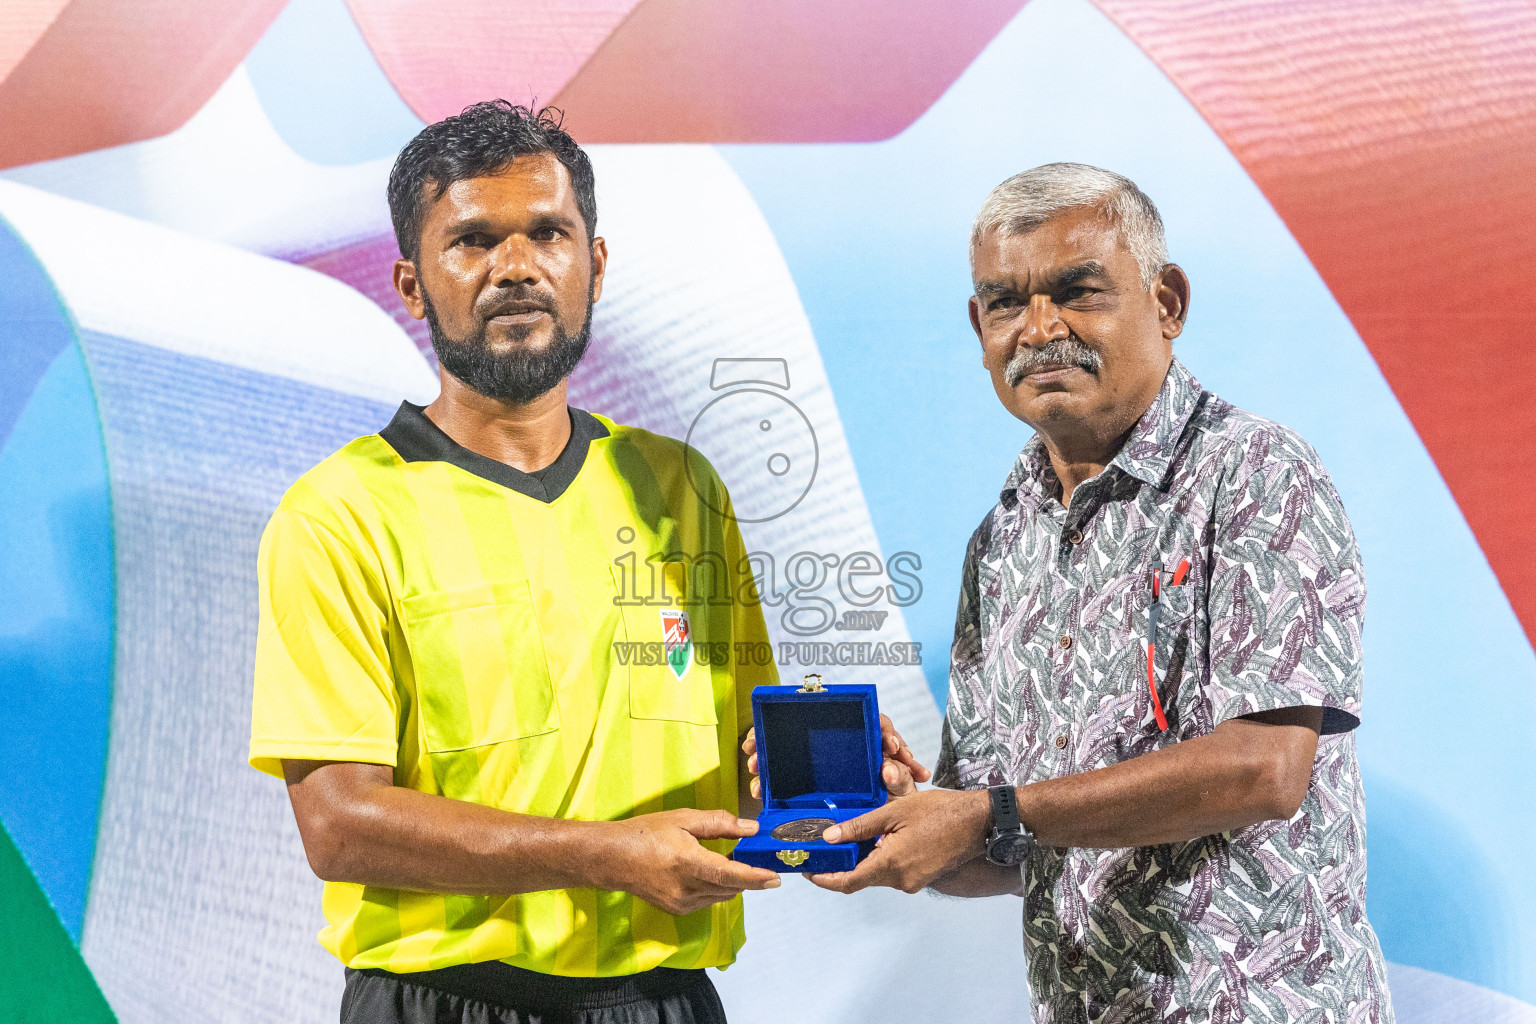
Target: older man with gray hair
<point>1156,670</point>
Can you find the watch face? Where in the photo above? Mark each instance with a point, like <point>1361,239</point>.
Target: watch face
<point>1008,849</point>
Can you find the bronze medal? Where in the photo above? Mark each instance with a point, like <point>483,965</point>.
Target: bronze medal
<point>803,830</point>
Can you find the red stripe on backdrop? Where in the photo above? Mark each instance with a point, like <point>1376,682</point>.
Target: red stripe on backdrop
<point>441,57</point>
<point>88,74</point>
<point>1398,143</point>
<point>688,70</point>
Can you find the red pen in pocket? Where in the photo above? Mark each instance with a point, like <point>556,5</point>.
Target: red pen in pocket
<point>1158,572</point>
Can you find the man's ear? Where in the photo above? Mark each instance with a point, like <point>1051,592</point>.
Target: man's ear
<point>408,287</point>
<point>973,306</point>
<point>599,266</point>
<point>1172,294</point>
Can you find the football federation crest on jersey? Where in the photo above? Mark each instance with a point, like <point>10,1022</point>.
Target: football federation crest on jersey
<point>677,637</point>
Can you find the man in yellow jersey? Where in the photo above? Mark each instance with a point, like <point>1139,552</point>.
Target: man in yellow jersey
<point>519,815</point>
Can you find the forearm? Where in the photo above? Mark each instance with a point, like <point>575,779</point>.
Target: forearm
<point>359,827</point>
<point>980,877</point>
<point>1243,773</point>
<point>401,839</point>
<point>1248,770</point>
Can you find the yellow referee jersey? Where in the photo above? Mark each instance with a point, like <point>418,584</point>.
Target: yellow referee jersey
<point>552,644</point>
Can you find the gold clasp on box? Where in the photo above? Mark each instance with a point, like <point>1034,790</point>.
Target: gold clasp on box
<point>794,858</point>
<point>812,685</point>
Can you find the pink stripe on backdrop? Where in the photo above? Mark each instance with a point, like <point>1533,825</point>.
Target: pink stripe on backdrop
<point>22,24</point>
<point>442,57</point>
<point>101,73</point>
<point>688,70</point>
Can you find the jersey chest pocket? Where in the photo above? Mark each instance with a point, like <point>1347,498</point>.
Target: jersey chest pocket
<point>668,678</point>
<point>481,674</point>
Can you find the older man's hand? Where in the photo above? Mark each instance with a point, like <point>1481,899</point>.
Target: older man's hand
<point>900,771</point>
<point>922,837</point>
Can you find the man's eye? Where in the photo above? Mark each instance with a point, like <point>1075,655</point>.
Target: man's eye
<point>474,240</point>
<point>546,234</point>
<point>1002,302</point>
<point>1075,292</point>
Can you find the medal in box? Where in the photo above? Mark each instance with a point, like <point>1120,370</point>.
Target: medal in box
<point>818,759</point>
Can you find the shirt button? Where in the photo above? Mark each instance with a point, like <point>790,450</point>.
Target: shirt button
<point>1066,642</point>
<point>1061,742</point>
<point>1074,536</point>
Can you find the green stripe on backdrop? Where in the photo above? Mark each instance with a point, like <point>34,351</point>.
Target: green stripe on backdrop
<point>43,980</point>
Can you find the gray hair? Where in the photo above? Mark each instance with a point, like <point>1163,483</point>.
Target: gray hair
<point>1025,201</point>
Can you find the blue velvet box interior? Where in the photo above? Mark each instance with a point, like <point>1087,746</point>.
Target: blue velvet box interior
<point>818,756</point>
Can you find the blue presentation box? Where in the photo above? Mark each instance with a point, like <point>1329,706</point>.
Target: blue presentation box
<point>819,758</point>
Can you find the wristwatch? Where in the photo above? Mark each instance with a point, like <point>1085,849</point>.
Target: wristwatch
<point>1008,841</point>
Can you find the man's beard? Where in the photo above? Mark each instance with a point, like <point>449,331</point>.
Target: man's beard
<point>516,376</point>
<point>1068,351</point>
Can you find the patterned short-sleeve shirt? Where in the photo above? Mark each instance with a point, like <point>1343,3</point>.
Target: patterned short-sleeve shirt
<point>1048,678</point>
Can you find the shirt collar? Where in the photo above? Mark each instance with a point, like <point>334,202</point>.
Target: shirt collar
<point>415,438</point>
<point>1146,454</point>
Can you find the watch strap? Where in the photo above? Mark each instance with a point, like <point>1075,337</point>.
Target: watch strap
<point>1005,809</point>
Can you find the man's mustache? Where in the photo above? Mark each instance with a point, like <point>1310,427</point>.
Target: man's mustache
<point>514,300</point>
<point>1057,352</point>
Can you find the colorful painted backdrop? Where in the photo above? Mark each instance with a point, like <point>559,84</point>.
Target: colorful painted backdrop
<point>195,307</point>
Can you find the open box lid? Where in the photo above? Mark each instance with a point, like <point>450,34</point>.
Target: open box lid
<point>818,748</point>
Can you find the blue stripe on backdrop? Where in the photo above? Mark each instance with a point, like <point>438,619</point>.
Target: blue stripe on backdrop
<point>34,327</point>
<point>876,237</point>
<point>56,630</point>
<point>56,586</point>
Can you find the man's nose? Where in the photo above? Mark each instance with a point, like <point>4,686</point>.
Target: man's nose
<point>514,263</point>
<point>1042,323</point>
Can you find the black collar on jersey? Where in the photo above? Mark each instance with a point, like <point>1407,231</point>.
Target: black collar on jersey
<point>415,438</point>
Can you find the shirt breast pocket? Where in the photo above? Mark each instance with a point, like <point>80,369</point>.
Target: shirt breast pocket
<point>1178,604</point>
<point>1128,613</point>
<point>481,673</point>
<point>667,681</point>
<point>1122,629</point>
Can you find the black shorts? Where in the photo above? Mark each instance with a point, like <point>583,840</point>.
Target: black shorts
<point>498,993</point>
